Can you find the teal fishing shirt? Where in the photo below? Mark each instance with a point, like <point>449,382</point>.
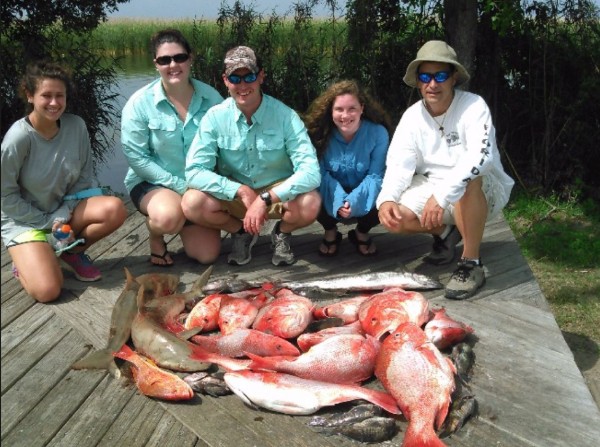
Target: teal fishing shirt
<point>229,152</point>
<point>155,140</point>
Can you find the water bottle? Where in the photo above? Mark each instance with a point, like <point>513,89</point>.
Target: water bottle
<point>59,239</point>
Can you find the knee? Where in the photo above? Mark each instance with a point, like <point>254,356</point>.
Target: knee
<point>311,207</point>
<point>115,211</point>
<point>46,292</point>
<point>168,223</point>
<point>191,202</point>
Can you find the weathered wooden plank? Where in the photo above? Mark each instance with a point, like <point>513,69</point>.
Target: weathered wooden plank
<point>14,306</point>
<point>28,392</point>
<point>170,432</point>
<point>95,415</point>
<point>137,422</point>
<point>40,425</point>
<point>24,355</point>
<point>525,379</point>
<point>22,328</point>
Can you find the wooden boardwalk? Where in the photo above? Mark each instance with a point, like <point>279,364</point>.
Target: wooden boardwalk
<point>528,387</point>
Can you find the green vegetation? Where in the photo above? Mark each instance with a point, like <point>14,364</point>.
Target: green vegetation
<point>561,242</point>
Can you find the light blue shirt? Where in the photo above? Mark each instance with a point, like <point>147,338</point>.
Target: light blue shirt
<point>353,171</point>
<point>155,141</point>
<point>229,152</point>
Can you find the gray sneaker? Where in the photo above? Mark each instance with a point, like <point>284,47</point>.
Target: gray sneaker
<point>241,251</point>
<point>444,250</point>
<point>465,281</point>
<point>282,251</point>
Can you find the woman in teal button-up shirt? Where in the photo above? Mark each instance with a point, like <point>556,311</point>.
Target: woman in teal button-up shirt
<point>158,125</point>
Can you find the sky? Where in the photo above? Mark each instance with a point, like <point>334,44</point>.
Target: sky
<point>203,9</point>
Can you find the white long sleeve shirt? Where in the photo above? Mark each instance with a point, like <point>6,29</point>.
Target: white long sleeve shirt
<point>465,150</point>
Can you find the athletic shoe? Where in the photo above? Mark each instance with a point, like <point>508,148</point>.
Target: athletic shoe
<point>465,281</point>
<point>81,266</point>
<point>241,251</point>
<point>444,250</point>
<point>282,250</point>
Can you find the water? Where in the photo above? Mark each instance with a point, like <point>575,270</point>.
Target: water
<point>113,171</point>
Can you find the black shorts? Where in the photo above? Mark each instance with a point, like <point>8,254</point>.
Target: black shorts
<point>139,191</point>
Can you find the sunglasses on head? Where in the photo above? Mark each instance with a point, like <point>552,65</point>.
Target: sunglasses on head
<point>247,78</point>
<point>440,76</point>
<point>178,58</point>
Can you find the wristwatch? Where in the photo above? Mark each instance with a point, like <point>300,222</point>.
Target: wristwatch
<point>266,196</point>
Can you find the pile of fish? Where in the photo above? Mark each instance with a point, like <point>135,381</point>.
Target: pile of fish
<point>277,350</point>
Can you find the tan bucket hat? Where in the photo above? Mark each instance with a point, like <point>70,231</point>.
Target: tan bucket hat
<point>435,51</point>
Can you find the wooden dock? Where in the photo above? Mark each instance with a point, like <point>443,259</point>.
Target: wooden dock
<point>527,385</point>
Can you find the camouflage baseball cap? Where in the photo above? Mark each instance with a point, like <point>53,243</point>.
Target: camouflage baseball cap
<point>240,57</point>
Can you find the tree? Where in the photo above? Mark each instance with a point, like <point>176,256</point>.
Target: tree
<point>59,30</point>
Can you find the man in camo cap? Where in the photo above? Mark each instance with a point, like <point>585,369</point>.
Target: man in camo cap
<point>252,160</point>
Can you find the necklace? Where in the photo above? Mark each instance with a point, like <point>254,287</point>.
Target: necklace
<point>440,125</point>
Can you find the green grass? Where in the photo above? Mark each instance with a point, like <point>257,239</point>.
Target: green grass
<point>561,242</point>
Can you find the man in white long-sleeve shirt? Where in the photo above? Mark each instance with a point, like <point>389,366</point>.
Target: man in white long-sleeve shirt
<point>444,175</point>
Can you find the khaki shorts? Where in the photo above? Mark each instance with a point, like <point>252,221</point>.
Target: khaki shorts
<point>421,189</point>
<point>238,210</point>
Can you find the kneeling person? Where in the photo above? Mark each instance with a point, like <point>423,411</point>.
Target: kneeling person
<point>252,160</point>
<point>443,170</point>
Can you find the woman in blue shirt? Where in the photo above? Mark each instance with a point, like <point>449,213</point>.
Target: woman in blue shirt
<point>350,131</point>
<point>158,125</point>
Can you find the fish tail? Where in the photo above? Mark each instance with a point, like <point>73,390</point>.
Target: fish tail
<point>424,438</point>
<point>101,359</point>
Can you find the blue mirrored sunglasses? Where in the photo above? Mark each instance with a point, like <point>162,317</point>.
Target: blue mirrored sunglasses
<point>440,76</point>
<point>247,78</point>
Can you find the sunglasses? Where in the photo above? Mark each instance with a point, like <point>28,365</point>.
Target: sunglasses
<point>440,76</point>
<point>178,58</point>
<point>247,78</point>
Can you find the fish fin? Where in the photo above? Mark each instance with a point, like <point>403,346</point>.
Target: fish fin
<point>129,276</point>
<point>186,335</point>
<point>95,360</point>
<point>203,280</point>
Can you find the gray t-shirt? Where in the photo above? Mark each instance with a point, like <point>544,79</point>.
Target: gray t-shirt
<point>38,173</point>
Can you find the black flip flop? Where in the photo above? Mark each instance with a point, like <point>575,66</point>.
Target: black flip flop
<point>335,243</point>
<point>163,257</point>
<point>352,237</point>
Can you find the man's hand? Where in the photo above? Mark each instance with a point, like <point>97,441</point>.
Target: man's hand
<point>389,216</point>
<point>433,214</point>
<point>256,210</point>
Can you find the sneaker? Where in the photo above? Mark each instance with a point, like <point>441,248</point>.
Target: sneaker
<point>444,250</point>
<point>80,265</point>
<point>282,251</point>
<point>465,281</point>
<point>241,251</point>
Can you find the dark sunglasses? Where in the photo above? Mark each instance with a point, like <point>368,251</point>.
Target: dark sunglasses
<point>178,58</point>
<point>247,78</point>
<point>440,76</point>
